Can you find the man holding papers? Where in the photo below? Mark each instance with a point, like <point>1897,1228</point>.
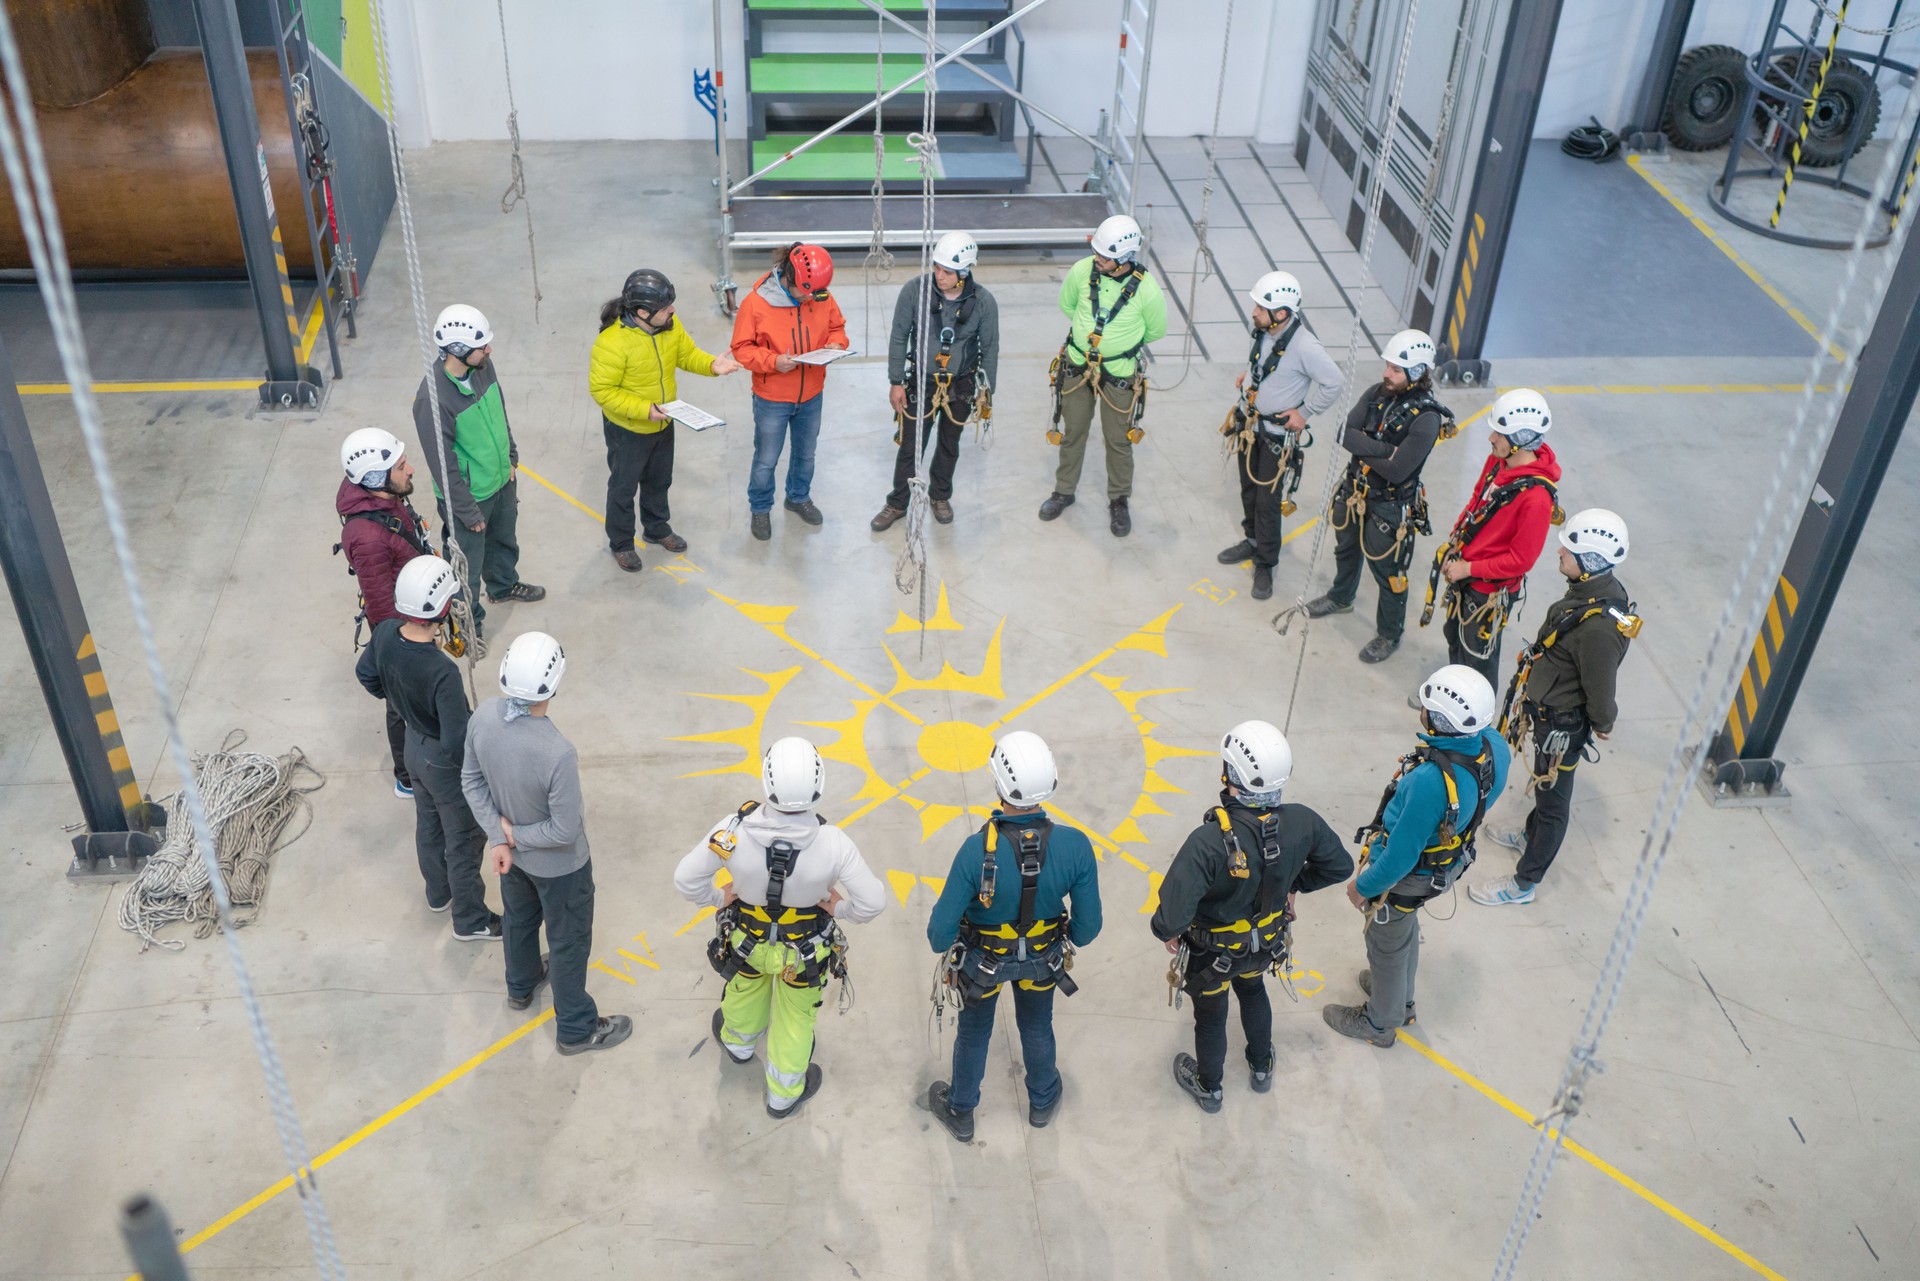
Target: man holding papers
<point>641,346</point>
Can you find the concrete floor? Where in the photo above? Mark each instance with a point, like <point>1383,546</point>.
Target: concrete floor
<point>1759,1068</point>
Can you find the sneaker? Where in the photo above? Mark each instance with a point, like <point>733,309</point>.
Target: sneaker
<point>763,525</point>
<point>488,933</point>
<point>889,517</point>
<point>1038,1117</point>
<point>805,511</point>
<point>1239,553</point>
<point>1500,892</point>
<point>671,541</point>
<point>1378,649</point>
<point>1186,1075</point>
<point>403,790</point>
<point>1321,606</point>
<point>812,1087</point>
<point>439,907</point>
<point>1366,985</point>
<point>607,1033</point>
<point>720,1022</point>
<point>629,560</point>
<point>526,592</point>
<point>1262,582</point>
<point>959,1124</point>
<point>1119,519</point>
<point>1261,1079</point>
<point>942,510</point>
<point>1055,504</point>
<point>1352,1020</point>
<point>522,1002</point>
<point>1514,839</point>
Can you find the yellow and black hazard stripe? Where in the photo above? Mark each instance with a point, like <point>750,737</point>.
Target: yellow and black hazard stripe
<point>108,723</point>
<point>1464,290</point>
<point>1761,663</point>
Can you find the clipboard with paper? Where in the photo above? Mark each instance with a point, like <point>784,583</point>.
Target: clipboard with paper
<point>692,417</point>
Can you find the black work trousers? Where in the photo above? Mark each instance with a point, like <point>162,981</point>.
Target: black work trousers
<point>1369,539</point>
<point>1260,501</point>
<point>564,904</point>
<point>1210,1026</point>
<point>946,453</point>
<point>642,460</point>
<point>1552,812</point>
<point>397,744</point>
<point>446,840</point>
<point>1470,603</point>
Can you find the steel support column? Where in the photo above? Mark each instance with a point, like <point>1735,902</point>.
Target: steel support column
<point>1641,130</point>
<point>1496,184</point>
<point>40,580</point>
<point>1741,766</point>
<point>289,384</point>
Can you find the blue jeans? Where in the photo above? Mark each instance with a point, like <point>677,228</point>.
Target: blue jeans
<point>1033,1012</point>
<point>773,421</point>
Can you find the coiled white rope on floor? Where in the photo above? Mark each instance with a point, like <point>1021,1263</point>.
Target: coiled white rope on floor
<point>250,798</point>
<point>26,165</point>
<point>1800,456</point>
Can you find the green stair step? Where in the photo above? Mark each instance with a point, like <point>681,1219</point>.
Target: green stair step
<point>845,157</point>
<point>852,73</point>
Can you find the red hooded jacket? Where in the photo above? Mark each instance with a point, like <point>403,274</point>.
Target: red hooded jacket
<point>1501,553</point>
<point>374,552</point>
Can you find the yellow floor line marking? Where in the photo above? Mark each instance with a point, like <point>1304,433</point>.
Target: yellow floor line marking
<point>314,317</point>
<point>360,1135</point>
<point>1632,1185</point>
<point>544,482</point>
<point>1766,286</point>
<point>210,384</point>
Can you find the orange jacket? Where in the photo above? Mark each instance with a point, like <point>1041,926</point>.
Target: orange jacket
<point>771,323</point>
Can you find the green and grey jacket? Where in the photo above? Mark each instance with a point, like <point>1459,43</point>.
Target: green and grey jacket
<point>1581,668</point>
<point>479,443</point>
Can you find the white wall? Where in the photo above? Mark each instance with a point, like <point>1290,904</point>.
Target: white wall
<point>586,69</point>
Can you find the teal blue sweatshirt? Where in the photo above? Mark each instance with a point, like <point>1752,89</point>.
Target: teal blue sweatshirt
<point>1070,873</point>
<point>1420,802</point>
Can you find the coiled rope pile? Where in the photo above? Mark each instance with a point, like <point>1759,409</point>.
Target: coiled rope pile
<point>251,800</point>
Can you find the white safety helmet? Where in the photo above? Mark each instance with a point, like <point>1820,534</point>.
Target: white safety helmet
<point>1256,758</point>
<point>1412,350</point>
<point>956,251</point>
<point>792,776</point>
<point>1458,700</point>
<point>1023,768</point>
<point>369,454</point>
<point>423,587</point>
<point>1117,238</point>
<point>532,669</point>
<point>460,329</point>
<point>1596,532</point>
<point>1521,416</point>
<point>1275,290</point>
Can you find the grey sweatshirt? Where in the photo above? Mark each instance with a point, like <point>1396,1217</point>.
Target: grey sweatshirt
<point>528,772</point>
<point>1306,376</point>
<point>978,338</point>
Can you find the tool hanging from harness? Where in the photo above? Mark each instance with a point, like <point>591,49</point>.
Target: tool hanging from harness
<point>1062,373</point>
<point>1246,429</point>
<point>1030,951</point>
<point>1481,626</point>
<point>817,948</point>
<point>943,376</point>
<point>1551,731</point>
<point>1215,955</point>
<point>1451,850</point>
<point>398,528</point>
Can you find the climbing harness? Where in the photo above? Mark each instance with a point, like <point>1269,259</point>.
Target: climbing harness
<point>1216,955</point>
<point>1451,851</point>
<point>1245,431</point>
<point>516,192</point>
<point>1029,950</point>
<point>1550,732</point>
<point>972,381</point>
<point>1480,625</point>
<point>815,946</point>
<point>399,529</point>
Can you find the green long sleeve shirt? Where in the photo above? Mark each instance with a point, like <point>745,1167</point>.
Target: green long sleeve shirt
<point>1142,320</point>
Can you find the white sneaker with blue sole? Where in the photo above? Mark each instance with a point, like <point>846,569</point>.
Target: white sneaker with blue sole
<point>1500,892</point>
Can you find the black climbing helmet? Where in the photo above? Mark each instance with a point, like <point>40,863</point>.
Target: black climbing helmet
<point>646,290</point>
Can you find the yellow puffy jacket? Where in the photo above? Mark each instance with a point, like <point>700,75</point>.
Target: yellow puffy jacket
<point>632,370</point>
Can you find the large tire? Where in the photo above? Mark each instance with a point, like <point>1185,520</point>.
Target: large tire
<point>1703,103</point>
<point>1849,94</point>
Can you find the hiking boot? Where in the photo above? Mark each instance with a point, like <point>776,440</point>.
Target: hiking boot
<point>763,525</point>
<point>1261,1079</point>
<point>1321,606</point>
<point>1119,519</point>
<point>719,1022</point>
<point>522,1002</point>
<point>1502,891</point>
<point>1352,1020</point>
<point>889,516</point>
<point>671,541</point>
<point>942,510</point>
<point>1186,1075</point>
<point>629,560</point>
<point>1366,985</point>
<point>812,1087</point>
<point>1262,582</point>
<point>1378,649</point>
<point>488,933</point>
<point>805,511</point>
<point>526,592</point>
<point>959,1124</point>
<point>607,1033</point>
<point>1238,553</point>
<point>1038,1117</point>
<point>1055,504</point>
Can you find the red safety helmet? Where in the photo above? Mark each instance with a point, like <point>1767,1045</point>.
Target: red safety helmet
<point>812,269</point>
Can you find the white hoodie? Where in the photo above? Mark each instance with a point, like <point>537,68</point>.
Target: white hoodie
<point>827,857</point>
